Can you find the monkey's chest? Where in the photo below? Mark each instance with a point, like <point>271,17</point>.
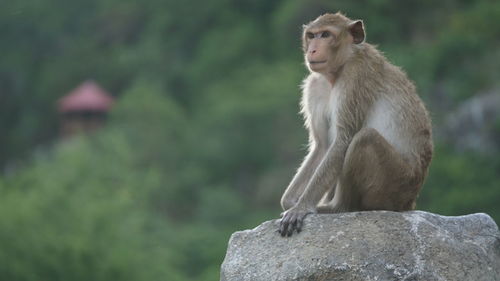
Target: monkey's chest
<point>324,117</point>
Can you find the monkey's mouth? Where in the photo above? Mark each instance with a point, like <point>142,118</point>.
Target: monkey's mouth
<point>317,62</point>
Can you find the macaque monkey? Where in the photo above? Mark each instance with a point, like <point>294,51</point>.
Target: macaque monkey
<point>370,140</point>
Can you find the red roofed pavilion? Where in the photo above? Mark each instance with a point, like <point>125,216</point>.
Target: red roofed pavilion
<point>84,109</point>
<point>87,97</point>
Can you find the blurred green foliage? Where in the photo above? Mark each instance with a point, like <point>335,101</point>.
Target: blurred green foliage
<point>205,135</point>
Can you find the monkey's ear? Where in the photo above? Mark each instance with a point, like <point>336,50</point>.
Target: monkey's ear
<point>357,31</point>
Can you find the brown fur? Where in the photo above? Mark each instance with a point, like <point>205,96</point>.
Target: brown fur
<point>370,134</point>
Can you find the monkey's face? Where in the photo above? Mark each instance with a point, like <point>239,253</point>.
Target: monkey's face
<point>317,47</point>
<point>328,42</point>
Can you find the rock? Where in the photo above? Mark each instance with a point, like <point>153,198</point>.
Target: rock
<point>377,245</point>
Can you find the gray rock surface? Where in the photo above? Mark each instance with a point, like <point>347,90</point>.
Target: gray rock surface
<point>377,245</point>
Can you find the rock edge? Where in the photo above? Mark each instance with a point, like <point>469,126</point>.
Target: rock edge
<point>376,245</point>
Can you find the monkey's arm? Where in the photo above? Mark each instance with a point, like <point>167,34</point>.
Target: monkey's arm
<point>326,174</point>
<point>299,181</point>
<point>323,178</point>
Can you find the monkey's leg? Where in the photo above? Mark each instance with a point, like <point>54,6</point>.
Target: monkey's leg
<point>374,177</point>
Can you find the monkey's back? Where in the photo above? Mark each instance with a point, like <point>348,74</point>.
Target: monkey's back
<point>398,113</point>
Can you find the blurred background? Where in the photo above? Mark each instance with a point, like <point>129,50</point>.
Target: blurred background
<point>136,136</point>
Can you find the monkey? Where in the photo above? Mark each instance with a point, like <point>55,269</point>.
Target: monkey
<point>370,135</point>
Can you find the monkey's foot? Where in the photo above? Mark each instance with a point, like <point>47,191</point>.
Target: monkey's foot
<point>291,220</point>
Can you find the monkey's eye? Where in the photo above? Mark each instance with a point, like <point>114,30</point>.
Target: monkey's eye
<point>309,35</point>
<point>325,34</point>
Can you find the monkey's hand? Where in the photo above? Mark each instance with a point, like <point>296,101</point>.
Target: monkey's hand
<point>292,219</point>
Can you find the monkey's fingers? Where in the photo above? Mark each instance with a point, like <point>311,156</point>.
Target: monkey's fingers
<point>284,226</point>
<point>300,222</point>
<point>292,226</point>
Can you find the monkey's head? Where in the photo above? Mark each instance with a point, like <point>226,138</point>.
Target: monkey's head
<point>328,41</point>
